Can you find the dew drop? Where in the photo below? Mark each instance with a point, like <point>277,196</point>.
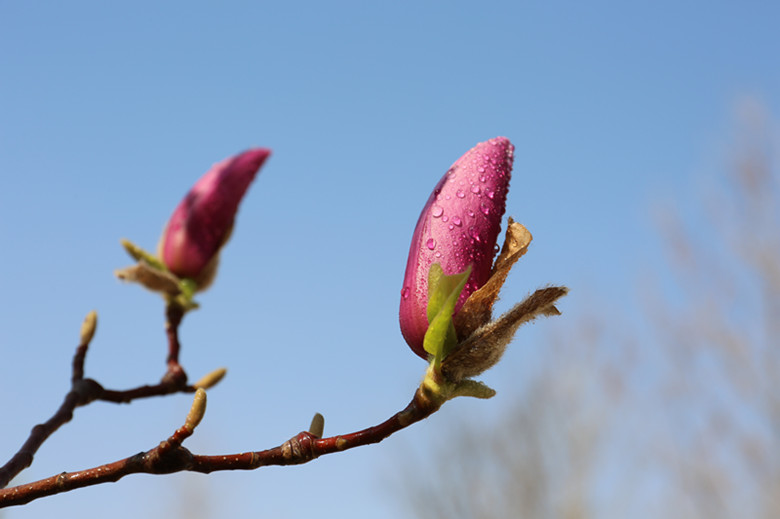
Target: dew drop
<point>460,194</point>
<point>475,189</point>
<point>451,227</point>
<point>481,169</point>
<point>485,209</point>
<point>456,220</point>
<point>405,293</point>
<point>470,213</point>
<point>431,243</point>
<point>491,194</point>
<point>438,254</point>
<point>436,211</point>
<point>445,218</point>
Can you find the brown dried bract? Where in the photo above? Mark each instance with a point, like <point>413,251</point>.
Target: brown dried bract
<point>478,309</point>
<point>151,278</point>
<point>484,348</point>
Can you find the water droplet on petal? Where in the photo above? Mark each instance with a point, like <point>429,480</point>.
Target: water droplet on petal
<point>445,218</point>
<point>451,227</point>
<point>475,189</point>
<point>456,220</point>
<point>470,213</point>
<point>436,211</point>
<point>491,194</point>
<point>405,293</point>
<point>485,209</point>
<point>460,194</point>
<point>431,243</point>
<point>438,254</point>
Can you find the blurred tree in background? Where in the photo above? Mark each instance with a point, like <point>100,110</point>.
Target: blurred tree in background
<point>670,411</point>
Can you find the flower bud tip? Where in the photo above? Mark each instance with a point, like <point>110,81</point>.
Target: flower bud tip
<point>317,427</point>
<point>211,379</point>
<point>197,410</point>
<point>88,327</point>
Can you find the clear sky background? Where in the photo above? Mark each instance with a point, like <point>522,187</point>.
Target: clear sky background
<point>109,113</point>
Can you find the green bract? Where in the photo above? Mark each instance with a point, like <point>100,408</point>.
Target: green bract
<point>443,291</point>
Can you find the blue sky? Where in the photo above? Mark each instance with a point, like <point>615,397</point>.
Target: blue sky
<point>109,112</point>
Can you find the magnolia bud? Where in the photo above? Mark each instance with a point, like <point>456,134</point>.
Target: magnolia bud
<point>458,228</point>
<point>202,222</point>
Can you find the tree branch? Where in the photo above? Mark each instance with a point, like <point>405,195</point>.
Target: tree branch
<point>84,391</point>
<point>170,456</point>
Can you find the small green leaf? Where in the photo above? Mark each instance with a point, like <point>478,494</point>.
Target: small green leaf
<point>138,254</point>
<point>473,388</point>
<point>443,294</point>
<point>187,289</point>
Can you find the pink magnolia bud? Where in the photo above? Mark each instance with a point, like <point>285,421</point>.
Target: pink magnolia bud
<point>202,222</point>
<point>458,227</point>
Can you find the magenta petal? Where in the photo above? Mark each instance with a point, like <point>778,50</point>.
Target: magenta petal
<point>202,221</point>
<point>458,227</point>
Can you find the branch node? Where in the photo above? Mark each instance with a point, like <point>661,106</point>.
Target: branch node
<point>299,449</point>
<point>86,390</point>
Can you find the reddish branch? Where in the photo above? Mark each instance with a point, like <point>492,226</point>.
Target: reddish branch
<point>170,456</point>
<point>84,391</point>
<point>174,313</point>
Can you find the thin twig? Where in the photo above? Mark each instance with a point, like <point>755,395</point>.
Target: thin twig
<point>83,391</point>
<point>174,313</point>
<point>170,456</point>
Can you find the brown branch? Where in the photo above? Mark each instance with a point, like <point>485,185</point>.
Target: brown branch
<point>174,313</point>
<point>83,391</point>
<point>170,456</point>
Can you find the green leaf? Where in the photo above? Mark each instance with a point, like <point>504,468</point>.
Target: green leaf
<point>443,294</point>
<point>138,254</point>
<point>473,388</point>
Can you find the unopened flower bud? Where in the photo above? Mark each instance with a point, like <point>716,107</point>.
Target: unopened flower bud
<point>197,410</point>
<point>88,327</point>
<point>202,222</point>
<point>458,228</point>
